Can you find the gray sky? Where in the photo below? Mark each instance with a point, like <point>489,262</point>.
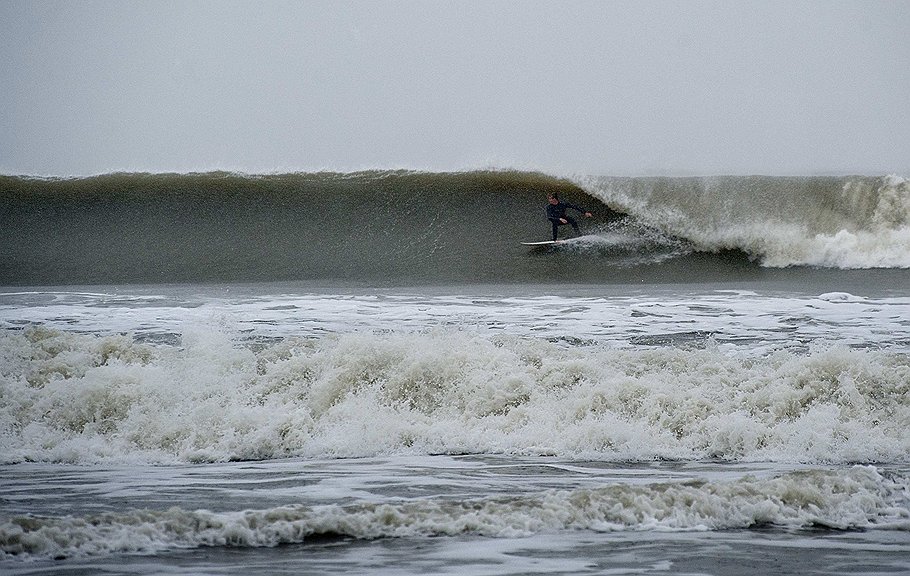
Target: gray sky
<point>765,87</point>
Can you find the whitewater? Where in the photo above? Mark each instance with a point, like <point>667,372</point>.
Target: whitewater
<point>326,373</point>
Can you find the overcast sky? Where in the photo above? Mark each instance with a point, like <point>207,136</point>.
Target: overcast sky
<point>577,87</point>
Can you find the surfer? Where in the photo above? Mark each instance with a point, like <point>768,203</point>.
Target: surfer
<point>556,213</point>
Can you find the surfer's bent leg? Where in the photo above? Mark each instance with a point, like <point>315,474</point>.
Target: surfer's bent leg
<point>555,229</point>
<point>574,224</point>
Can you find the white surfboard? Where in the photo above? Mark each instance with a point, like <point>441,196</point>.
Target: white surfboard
<point>543,243</point>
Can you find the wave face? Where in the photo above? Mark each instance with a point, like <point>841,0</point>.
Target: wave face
<point>413,227</point>
<point>85,398</point>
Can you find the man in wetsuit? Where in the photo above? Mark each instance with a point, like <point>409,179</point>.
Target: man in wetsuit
<point>556,213</point>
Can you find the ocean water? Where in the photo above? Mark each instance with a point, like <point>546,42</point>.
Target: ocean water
<point>367,373</point>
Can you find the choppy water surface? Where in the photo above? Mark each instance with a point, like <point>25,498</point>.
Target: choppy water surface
<point>498,431</point>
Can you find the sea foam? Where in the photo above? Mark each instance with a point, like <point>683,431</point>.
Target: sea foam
<point>83,398</point>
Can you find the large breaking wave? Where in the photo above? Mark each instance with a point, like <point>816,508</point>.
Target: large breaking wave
<point>416,227</point>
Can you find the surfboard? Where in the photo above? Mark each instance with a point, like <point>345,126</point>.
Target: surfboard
<point>544,243</point>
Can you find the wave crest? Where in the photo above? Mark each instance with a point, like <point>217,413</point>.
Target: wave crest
<point>859,498</point>
<point>852,222</point>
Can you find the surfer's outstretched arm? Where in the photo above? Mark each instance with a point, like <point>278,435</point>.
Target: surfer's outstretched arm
<point>580,209</point>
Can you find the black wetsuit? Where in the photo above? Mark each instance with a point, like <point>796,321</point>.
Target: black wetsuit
<point>557,211</point>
